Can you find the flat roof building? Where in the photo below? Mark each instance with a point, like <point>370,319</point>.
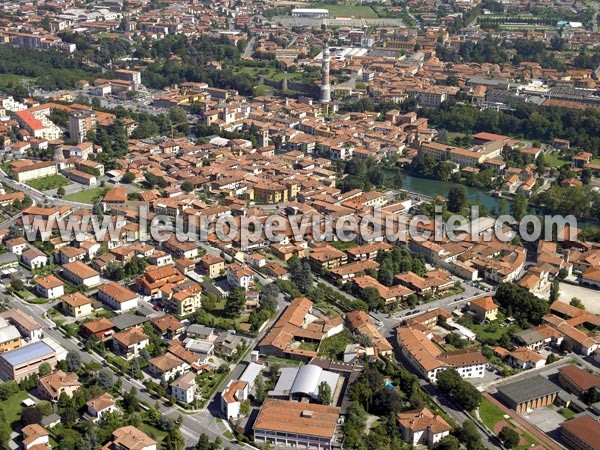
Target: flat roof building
<point>528,394</point>
<point>25,361</point>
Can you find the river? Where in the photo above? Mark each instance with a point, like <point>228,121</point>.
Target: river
<point>429,187</point>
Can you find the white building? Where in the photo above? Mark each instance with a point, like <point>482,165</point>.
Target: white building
<point>239,275</point>
<point>50,287</point>
<point>232,397</point>
<point>98,407</point>
<point>184,388</point>
<point>422,427</point>
<point>118,297</point>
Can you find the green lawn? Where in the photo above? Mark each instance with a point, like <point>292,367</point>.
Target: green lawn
<point>8,78</point>
<point>47,183</point>
<point>271,73</point>
<point>334,346</point>
<point>284,361</point>
<point>490,414</point>
<point>154,433</point>
<point>555,160</point>
<point>89,196</point>
<point>489,333</point>
<point>341,245</point>
<point>347,10</point>
<point>12,407</point>
<point>566,413</point>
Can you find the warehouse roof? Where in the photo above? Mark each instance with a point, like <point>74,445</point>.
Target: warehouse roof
<point>27,353</point>
<point>528,388</point>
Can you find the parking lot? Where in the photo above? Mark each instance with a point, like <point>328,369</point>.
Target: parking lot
<point>546,419</point>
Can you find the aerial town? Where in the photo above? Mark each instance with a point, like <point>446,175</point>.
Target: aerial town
<point>192,199</point>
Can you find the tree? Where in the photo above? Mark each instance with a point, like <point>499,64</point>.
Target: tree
<point>371,296</point>
<point>45,407</point>
<point>17,285</point>
<point>563,273</point>
<point>128,177</point>
<point>105,378</point>
<point>462,392</point>
<point>523,305</point>
<point>60,191</point>
<point>14,232</point>
<point>187,187</point>
<point>469,434</point>
<point>509,437</point>
<point>260,390</point>
<point>554,290</point>
<point>131,402</point>
<point>518,207</point>
<point>577,303</point>
<point>300,274</point>
<point>447,443</point>
<point>236,302</point>
<point>5,429</point>
<point>268,297</point>
<point>45,369</point>
<point>30,415</point>
<point>325,395</point>
<point>98,211</point>
<point>457,198</point>
<point>203,443</point>
<point>73,361</point>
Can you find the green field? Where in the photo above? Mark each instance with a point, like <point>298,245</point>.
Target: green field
<point>271,73</point>
<point>490,415</point>
<point>12,407</point>
<point>88,196</point>
<point>10,79</point>
<point>347,10</point>
<point>48,183</point>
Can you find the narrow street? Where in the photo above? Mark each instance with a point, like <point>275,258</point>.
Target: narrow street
<point>193,424</point>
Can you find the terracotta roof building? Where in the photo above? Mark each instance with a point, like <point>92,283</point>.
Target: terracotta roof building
<point>581,433</point>
<point>293,424</point>
<point>422,427</point>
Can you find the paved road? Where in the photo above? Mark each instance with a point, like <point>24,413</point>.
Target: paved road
<point>250,47</point>
<point>193,424</point>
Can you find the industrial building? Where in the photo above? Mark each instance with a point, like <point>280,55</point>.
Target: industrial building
<point>26,361</point>
<point>528,394</point>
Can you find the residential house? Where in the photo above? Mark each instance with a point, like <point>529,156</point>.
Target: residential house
<point>184,388</point>
<point>168,326</point>
<point>118,297</point>
<point>34,258</point>
<point>130,438</point>
<point>101,328</point>
<point>128,343</point>
<point>422,427</point>
<point>49,287</point>
<point>77,305</point>
<point>213,265</point>
<point>81,275</point>
<point>232,397</point>
<point>98,407</point>
<point>240,275</point>
<point>167,366</point>
<point>484,309</point>
<point>10,338</point>
<point>524,358</point>
<point>35,437</point>
<point>52,386</point>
